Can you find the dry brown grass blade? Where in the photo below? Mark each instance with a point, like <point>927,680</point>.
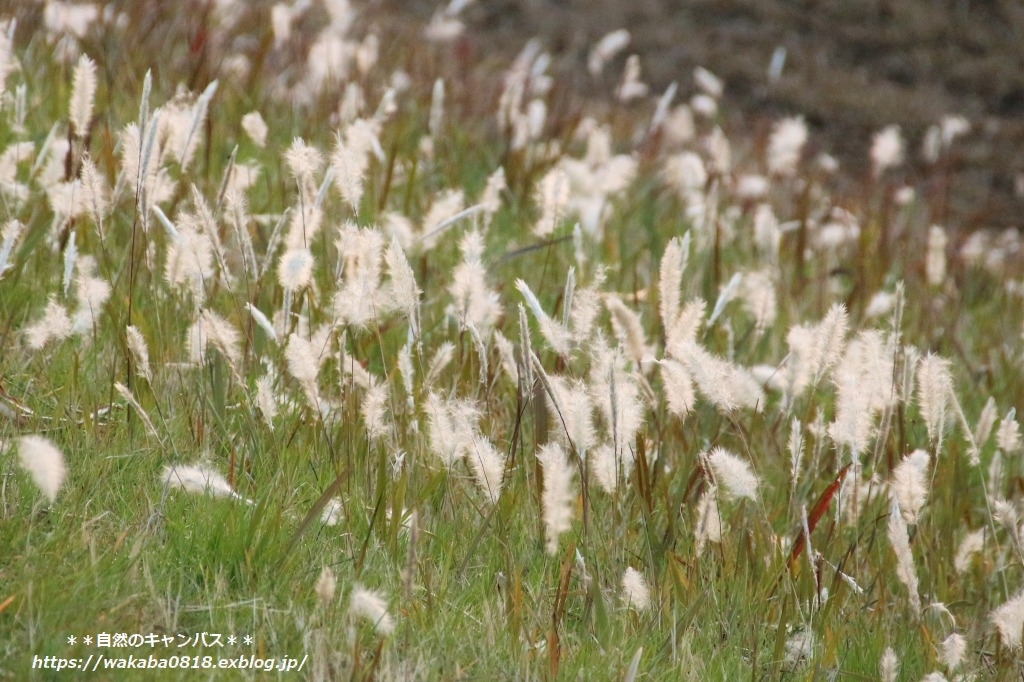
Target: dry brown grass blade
<point>817,512</point>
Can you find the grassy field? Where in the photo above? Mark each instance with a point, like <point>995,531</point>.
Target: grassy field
<point>325,344</point>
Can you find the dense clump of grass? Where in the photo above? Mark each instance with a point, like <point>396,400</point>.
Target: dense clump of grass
<point>423,376</point>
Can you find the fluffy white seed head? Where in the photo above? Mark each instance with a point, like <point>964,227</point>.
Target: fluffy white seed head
<point>709,521</point>
<point>889,666</point>
<point>635,593</point>
<point>41,458</point>
<point>886,149</point>
<point>900,540</point>
<point>910,484</point>
<point>255,127</point>
<point>140,352</point>
<point>198,479</point>
<point>1009,621</point>
<point>733,474</point>
<point>786,145</point>
<point>558,497</point>
<point>371,606</point>
<point>83,95</point>
<point>325,585</point>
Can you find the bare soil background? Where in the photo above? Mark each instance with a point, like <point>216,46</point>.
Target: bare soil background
<point>851,68</point>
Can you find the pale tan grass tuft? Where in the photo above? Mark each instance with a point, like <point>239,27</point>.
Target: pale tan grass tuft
<point>83,95</point>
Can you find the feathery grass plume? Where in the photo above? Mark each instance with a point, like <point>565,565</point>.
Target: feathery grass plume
<point>616,395</point>
<point>361,251</point>
<point>351,159</point>
<point>446,205</point>
<point>558,497</point>
<point>733,474</point>
<point>900,541</point>
<point>709,520</point>
<point>863,379</point>
<point>94,190</point>
<point>757,292</point>
<point>262,321</point>
<point>785,146</point>
<point>143,415</point>
<point>684,330</point>
<point>452,427</point>
<point>41,458</point>
<point>726,294</point>
<point>369,605</point>
<point>605,50</point>
<point>190,260</point>
<point>986,420</point>
<point>1008,433</point>
<point>295,269</point>
<point>889,665</point>
<point>796,453</point>
<point>526,353</point>
<point>140,352</point>
<point>604,465</point>
<point>304,365</point>
<point>886,149</point>
<point>1009,621</point>
<point>680,396</point>
<point>631,87</point>
<point>436,109</point>
<point>474,302</point>
<point>374,410</point>
<point>266,401</point>
<point>815,349</point>
<point>11,235</point>
<point>572,413</point>
<point>635,593</point>
<point>303,163</point>
<point>557,336</point>
<point>628,328</point>
<point>488,465</point>
<point>404,293</point>
<point>727,386</point>
<point>199,479</point>
<point>490,200</point>
<point>199,111</point>
<point>83,96</point>
<point>935,256</point>
<point>225,338</point>
<point>586,307</point>
<point>952,652</point>
<point>934,389</point>
<point>442,357</point>
<point>55,325</point>
<point>407,374</point>
<point>552,196</point>
<point>326,585</point>
<point>91,294</point>
<point>670,276</point>
<point>972,544</point>
<point>255,127</point>
<point>332,512</point>
<point>910,484</point>
<point>237,212</point>
<point>8,61</point>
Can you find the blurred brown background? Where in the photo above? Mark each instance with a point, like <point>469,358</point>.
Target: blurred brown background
<point>852,67</point>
